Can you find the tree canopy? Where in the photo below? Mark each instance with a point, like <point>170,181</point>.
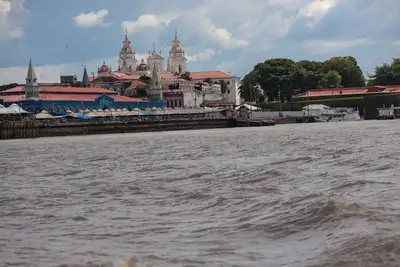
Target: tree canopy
<point>8,86</point>
<point>386,74</point>
<point>185,75</point>
<point>284,77</point>
<point>138,91</point>
<point>145,79</point>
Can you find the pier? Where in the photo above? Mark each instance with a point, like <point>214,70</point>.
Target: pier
<point>27,129</point>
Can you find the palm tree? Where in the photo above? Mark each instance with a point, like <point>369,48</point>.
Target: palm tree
<point>186,76</point>
<point>251,93</point>
<point>224,88</point>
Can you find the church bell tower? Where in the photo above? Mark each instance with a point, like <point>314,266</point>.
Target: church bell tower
<point>155,91</point>
<point>31,85</point>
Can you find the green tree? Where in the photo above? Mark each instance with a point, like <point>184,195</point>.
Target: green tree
<point>333,79</point>
<point>247,87</point>
<point>141,91</point>
<point>8,86</point>
<point>285,77</point>
<point>185,75</point>
<point>224,87</point>
<point>274,75</point>
<point>386,74</point>
<point>208,80</point>
<point>348,69</point>
<point>145,79</point>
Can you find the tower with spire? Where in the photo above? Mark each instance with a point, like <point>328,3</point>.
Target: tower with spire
<point>31,84</point>
<point>127,57</point>
<point>155,59</point>
<point>155,91</point>
<point>177,62</point>
<point>85,79</point>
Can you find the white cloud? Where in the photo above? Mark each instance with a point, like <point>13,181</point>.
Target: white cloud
<point>320,47</point>
<point>12,17</point>
<point>202,55</point>
<point>17,32</point>
<point>316,10</point>
<point>224,37</point>
<point>396,42</point>
<point>227,66</point>
<point>92,19</point>
<point>147,21</point>
<point>270,28</point>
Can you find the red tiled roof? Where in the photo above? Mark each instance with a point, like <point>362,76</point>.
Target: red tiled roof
<point>60,89</point>
<point>118,76</point>
<point>120,98</point>
<point>136,83</point>
<point>350,91</point>
<point>200,75</point>
<point>69,97</point>
<point>124,76</point>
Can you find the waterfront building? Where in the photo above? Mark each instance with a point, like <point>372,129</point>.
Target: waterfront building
<point>348,92</point>
<point>128,70</point>
<point>57,99</point>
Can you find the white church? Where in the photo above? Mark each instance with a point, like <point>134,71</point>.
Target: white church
<point>129,69</point>
<point>177,62</point>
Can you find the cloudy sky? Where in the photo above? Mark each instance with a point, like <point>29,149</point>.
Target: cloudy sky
<point>230,35</point>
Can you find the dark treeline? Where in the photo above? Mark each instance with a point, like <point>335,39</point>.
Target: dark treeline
<point>386,74</point>
<point>8,86</point>
<point>284,77</point>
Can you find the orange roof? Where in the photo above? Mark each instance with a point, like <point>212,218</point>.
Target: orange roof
<point>120,98</point>
<point>60,89</point>
<point>69,97</point>
<point>124,76</point>
<point>200,75</point>
<point>343,91</point>
<point>136,83</point>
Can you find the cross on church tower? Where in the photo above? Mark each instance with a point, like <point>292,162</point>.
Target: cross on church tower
<point>126,34</point>
<point>176,34</point>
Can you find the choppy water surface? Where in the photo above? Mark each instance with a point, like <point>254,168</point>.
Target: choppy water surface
<point>293,195</point>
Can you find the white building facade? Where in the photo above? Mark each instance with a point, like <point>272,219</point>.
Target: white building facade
<point>176,63</point>
<point>127,58</point>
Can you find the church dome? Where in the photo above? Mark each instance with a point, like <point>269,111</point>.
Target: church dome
<point>126,50</point>
<point>104,68</point>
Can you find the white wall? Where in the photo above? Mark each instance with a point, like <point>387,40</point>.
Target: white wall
<point>192,98</point>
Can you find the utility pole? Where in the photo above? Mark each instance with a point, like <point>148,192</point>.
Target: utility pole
<point>280,100</point>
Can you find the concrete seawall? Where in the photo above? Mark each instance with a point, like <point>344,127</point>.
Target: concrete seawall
<point>17,130</point>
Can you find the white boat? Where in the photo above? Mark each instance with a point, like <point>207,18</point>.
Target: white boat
<point>323,113</point>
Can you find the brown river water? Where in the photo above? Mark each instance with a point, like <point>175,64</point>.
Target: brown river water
<point>324,194</point>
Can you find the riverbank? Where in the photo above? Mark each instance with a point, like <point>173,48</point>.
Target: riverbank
<point>36,129</point>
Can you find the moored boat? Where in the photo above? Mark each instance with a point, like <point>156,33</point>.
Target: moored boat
<point>323,113</point>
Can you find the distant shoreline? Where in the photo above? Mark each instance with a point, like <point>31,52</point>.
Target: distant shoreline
<point>35,129</point>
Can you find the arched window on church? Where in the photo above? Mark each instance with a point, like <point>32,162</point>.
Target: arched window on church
<point>180,68</point>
